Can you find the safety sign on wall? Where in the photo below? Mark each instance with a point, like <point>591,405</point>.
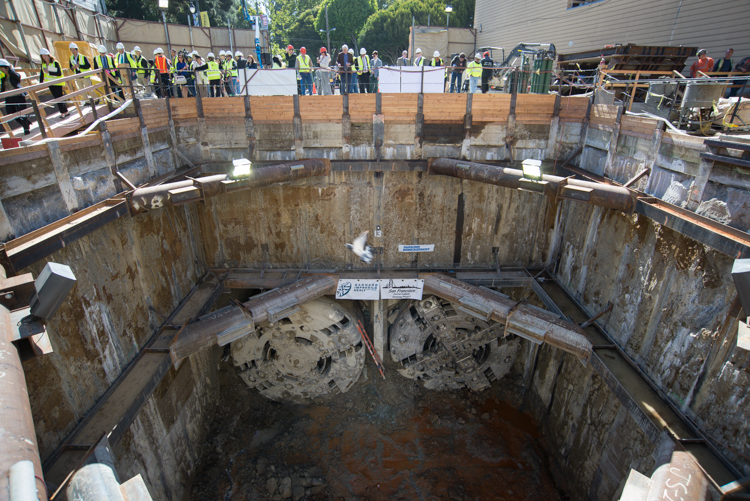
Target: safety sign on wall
<point>416,248</point>
<point>358,289</point>
<point>365,289</point>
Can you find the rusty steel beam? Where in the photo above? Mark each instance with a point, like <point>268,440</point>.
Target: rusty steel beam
<point>193,190</point>
<point>524,320</point>
<point>234,322</point>
<point>609,197</point>
<point>17,435</point>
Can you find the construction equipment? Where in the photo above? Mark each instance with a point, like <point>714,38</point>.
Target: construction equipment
<point>527,67</point>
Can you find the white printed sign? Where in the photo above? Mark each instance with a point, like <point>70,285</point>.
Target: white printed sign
<point>401,288</point>
<point>358,289</point>
<point>416,248</point>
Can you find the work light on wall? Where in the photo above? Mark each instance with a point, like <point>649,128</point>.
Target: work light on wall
<point>164,4</point>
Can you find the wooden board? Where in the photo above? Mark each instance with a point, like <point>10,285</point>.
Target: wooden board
<point>399,108</point>
<point>444,108</point>
<point>321,108</point>
<point>362,107</point>
<point>274,109</point>
<point>490,108</point>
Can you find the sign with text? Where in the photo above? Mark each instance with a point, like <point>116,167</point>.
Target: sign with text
<point>416,248</point>
<point>358,289</point>
<point>204,20</point>
<point>401,288</point>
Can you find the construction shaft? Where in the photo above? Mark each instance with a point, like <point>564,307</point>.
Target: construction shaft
<point>193,190</point>
<point>607,196</point>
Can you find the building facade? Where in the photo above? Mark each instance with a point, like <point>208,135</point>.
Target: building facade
<point>583,25</point>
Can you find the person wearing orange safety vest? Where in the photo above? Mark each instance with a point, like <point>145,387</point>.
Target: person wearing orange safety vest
<point>304,66</point>
<point>164,85</point>
<point>52,71</point>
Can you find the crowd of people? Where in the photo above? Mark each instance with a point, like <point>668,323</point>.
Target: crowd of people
<point>184,74</point>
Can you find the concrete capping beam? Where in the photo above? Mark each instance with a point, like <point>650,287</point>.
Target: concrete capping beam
<point>614,140</point>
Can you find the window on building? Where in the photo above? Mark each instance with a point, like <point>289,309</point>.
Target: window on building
<point>578,3</point>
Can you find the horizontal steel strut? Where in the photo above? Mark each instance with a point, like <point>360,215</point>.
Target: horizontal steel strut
<point>534,324</point>
<point>193,190</point>
<point>609,197</point>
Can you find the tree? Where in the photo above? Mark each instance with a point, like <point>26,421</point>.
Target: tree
<point>347,16</point>
<point>302,32</point>
<point>177,12</point>
<point>387,31</point>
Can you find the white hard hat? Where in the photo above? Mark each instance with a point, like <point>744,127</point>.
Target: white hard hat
<point>221,52</point>
<point>211,54</point>
<point>119,46</point>
<point>436,54</point>
<point>72,46</point>
<point>477,56</point>
<point>362,51</point>
<point>195,53</point>
<point>160,50</point>
<point>44,52</point>
<point>102,49</point>
<point>4,62</point>
<point>136,48</point>
<point>419,51</point>
<point>351,51</point>
<point>238,53</point>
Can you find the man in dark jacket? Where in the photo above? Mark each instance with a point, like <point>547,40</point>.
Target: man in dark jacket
<point>10,80</point>
<point>344,62</point>
<point>488,66</point>
<point>291,62</point>
<point>458,65</point>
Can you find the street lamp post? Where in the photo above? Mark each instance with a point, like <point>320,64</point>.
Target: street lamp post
<point>327,32</point>
<point>448,10</point>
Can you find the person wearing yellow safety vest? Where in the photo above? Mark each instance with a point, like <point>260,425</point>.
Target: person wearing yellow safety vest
<point>304,66</point>
<point>142,64</point>
<point>437,61</point>
<point>230,74</point>
<point>107,62</point>
<point>52,71</point>
<point>10,80</point>
<point>79,63</point>
<point>418,59</point>
<point>124,60</point>
<point>474,71</point>
<point>363,72</point>
<point>213,74</point>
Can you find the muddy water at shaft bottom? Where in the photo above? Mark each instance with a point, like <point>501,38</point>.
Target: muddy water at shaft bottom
<point>383,440</point>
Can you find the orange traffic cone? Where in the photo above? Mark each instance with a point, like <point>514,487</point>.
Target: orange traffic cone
<point>314,91</point>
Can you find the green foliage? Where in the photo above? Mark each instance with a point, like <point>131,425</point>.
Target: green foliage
<point>302,32</point>
<point>347,16</point>
<point>387,31</point>
<point>177,12</point>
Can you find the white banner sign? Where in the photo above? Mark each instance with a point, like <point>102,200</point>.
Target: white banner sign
<point>268,82</point>
<point>412,79</point>
<point>358,289</point>
<point>416,248</point>
<point>401,288</point>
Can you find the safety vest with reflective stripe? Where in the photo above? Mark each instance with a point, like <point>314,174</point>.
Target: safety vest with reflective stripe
<point>419,62</point>
<point>474,69</point>
<point>81,60</point>
<point>213,72</point>
<point>364,64</point>
<point>162,64</point>
<point>49,77</point>
<point>231,68</point>
<point>125,58</point>
<point>305,63</point>
<point>138,61</point>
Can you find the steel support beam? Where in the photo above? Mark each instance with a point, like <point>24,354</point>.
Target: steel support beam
<point>527,321</point>
<point>193,190</point>
<point>609,197</point>
<point>234,322</point>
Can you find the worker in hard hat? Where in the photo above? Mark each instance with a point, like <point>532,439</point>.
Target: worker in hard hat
<point>213,74</point>
<point>323,75</point>
<point>363,71</point>
<point>198,78</point>
<point>418,59</point>
<point>51,71</point>
<point>488,67</point>
<point>304,66</point>
<point>290,58</point>
<point>142,64</point>
<point>104,61</point>
<point>10,80</point>
<point>438,61</point>
<point>78,64</point>
<point>124,60</point>
<point>162,79</point>
<point>474,71</point>
<point>230,74</point>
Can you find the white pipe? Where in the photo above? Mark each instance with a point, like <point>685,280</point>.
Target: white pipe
<point>22,482</point>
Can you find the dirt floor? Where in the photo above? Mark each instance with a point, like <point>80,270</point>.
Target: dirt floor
<point>384,439</point>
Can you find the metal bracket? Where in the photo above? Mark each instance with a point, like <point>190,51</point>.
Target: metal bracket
<point>282,311</point>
